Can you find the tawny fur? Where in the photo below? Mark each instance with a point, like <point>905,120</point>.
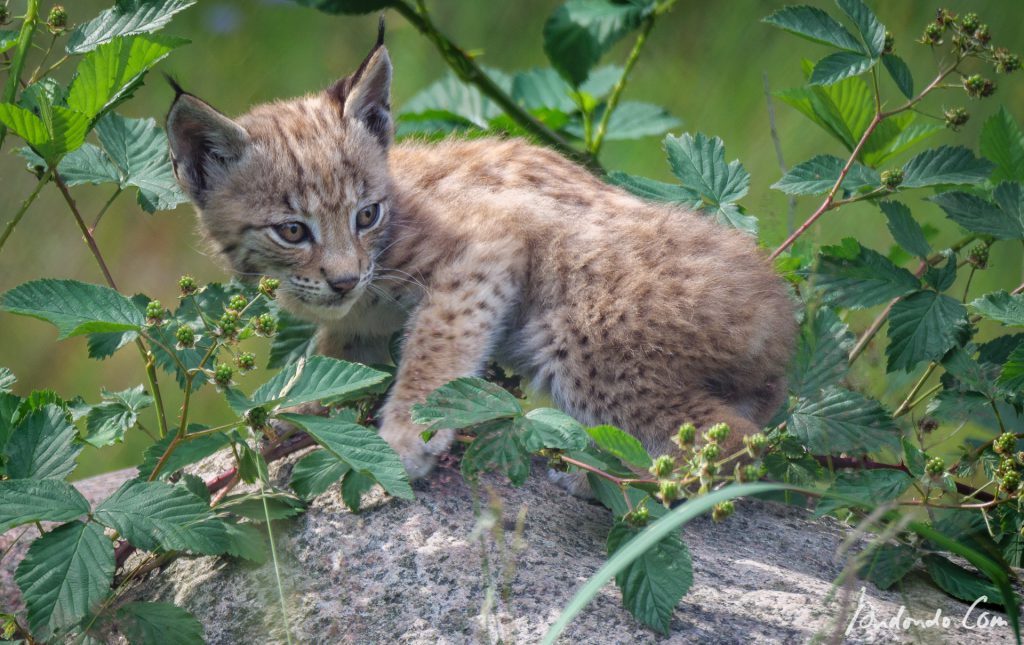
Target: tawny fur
<point>635,314</point>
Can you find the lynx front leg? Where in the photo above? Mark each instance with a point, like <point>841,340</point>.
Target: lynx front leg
<point>451,335</point>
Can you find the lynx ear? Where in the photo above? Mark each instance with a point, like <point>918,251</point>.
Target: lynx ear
<point>365,96</point>
<point>204,144</point>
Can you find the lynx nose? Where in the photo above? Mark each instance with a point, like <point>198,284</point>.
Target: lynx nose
<point>343,284</point>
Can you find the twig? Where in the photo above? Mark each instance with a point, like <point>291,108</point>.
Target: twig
<point>791,202</point>
<point>24,207</point>
<point>28,28</point>
<point>597,471</point>
<point>906,406</point>
<point>866,464</point>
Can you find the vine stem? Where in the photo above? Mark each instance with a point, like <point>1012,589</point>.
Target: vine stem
<point>28,28</point>
<point>24,208</point>
<point>866,464</point>
<point>621,481</point>
<point>470,72</point>
<point>147,355</point>
<point>907,406</point>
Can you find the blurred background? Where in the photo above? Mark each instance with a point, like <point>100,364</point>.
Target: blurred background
<point>705,62</point>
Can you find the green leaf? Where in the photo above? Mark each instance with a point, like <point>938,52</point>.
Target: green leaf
<point>126,18</point>
<point>872,31</point>
<point>144,623</point>
<point>464,402</point>
<point>502,444</point>
<point>894,136</point>
<point>59,132</point>
<point>887,564</point>
<point>157,515</point>
<point>7,379</point>
<point>864,488</point>
<point>75,308</point>
<point>855,276</point>
<point>251,464</point>
<point>900,74</point>
<point>1001,306</point>
<point>922,327</point>
<point>631,120</point>
<point>959,582</point>
<point>942,278</point>
<point>315,473</point>
<point>1012,374</point>
<point>815,25</point>
<point>652,584</point>
<point>317,378</point>
<point>247,542</point>
<point>108,421</point>
<point>822,356</point>
<point>818,175</point>
<point>542,88</point>
<point>87,165</point>
<point>64,576</point>
<point>360,448</point>
<point>109,74</point>
<point>450,99</point>
<point>353,485</point>
<point>981,216</point>
<point>579,32</point>
<point>48,500</point>
<point>945,165</point>
<point>295,339</point>
<point>8,39</point>
<point>905,229</point>
<point>839,420</point>
<point>279,505</point>
<point>556,429</point>
<point>42,446</point>
<point>624,446</point>
<point>653,190</point>
<point>1002,142</point>
<point>186,453</point>
<point>840,65</point>
<point>699,163</point>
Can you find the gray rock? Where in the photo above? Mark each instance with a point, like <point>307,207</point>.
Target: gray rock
<point>450,567</point>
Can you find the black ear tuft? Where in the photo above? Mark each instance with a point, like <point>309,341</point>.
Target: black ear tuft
<point>173,82</point>
<point>380,32</point>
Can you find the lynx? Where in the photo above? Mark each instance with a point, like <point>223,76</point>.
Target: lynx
<point>640,315</point>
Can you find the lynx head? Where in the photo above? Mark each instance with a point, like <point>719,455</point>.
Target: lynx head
<point>298,190</point>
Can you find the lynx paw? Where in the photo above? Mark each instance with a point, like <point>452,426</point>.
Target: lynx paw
<point>417,456</point>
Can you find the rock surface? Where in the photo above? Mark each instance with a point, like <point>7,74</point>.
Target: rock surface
<point>430,571</point>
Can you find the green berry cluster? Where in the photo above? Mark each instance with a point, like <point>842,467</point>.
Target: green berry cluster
<point>892,178</point>
<point>638,516</point>
<point>246,362</point>
<point>936,466</point>
<point>970,37</point>
<point>756,444</point>
<point>978,256</point>
<point>57,20</point>
<point>723,510</point>
<point>223,374</point>
<point>265,325</point>
<point>978,86</point>
<point>154,313</point>
<point>237,302</point>
<point>686,436</point>
<point>228,325</point>
<point>1005,444</point>
<point>256,418</point>
<point>956,117</point>
<point>269,286</point>
<point>188,286</point>
<point>185,336</point>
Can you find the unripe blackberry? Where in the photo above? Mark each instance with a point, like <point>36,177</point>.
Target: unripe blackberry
<point>265,325</point>
<point>935,466</point>
<point>57,20</point>
<point>756,444</point>
<point>222,375</point>
<point>1005,61</point>
<point>892,178</point>
<point>187,285</point>
<point>638,517</point>
<point>1010,482</point>
<point>663,466</point>
<point>1005,443</point>
<point>723,510</point>
<point>932,35</point>
<point>237,302</point>
<point>5,15</point>
<point>228,323</point>
<point>956,117</point>
<point>246,362</point>
<point>752,473</point>
<point>154,313</point>
<point>979,87</point>
<point>929,424</point>
<point>1020,457</point>
<point>186,337</point>
<point>945,17</point>
<point>256,418</point>
<point>717,432</point>
<point>890,40</point>
<point>686,436</point>
<point>969,21</point>
<point>978,257</point>
<point>269,286</point>
<point>982,34</point>
<point>668,491</point>
<point>710,451</point>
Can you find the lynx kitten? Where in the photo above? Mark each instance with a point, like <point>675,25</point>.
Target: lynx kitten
<point>634,314</point>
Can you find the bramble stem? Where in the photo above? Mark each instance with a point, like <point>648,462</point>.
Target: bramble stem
<point>99,216</point>
<point>600,473</point>
<point>24,208</point>
<point>28,28</point>
<point>907,406</point>
<point>620,85</point>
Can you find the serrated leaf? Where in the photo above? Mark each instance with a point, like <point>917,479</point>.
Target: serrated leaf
<point>1002,142</point>
<point>654,190</point>
<point>1011,375</point>
<point>360,448</point>
<point>959,582</point>
<point>864,488</point>
<point>624,446</point>
<point>871,30</point>
<point>857,277</point>
<point>818,175</point>
<point>905,229</point>
<point>49,500</point>
<point>295,339</point>
<point>64,576</point>
<point>900,74</point>
<point>126,18</point>
<point>353,486</point>
<point>631,120</point>
<point>945,165</point>
<point>317,378</point>
<point>501,444</point>
<point>279,505</point>
<point>246,541</point>
<point>107,422</point>
<point>654,583</point>
<point>981,216</point>
<point>840,65</point>
<point>887,564</point>
<point>464,402</point>
<point>138,150</point>
<point>894,136</point>
<point>579,32</point>
<point>60,132</point>
<point>822,356</point>
<point>699,163</point>
<point>157,515</point>
<point>42,446</point>
<point>556,429</point>
<point>7,379</point>
<point>542,88</point>
<point>315,473</point>
<point>941,278</point>
<point>922,327</point>
<point>186,453</point>
<point>251,464</point>
<point>450,99</point>
<point>814,25</point>
<point>839,420</point>
<point>144,623</point>
<point>75,308</point>
<point>1001,306</point>
<point>110,73</point>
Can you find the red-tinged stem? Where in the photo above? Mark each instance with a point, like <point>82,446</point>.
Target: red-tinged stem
<point>867,464</point>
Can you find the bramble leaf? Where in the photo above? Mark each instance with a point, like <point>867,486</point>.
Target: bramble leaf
<point>1002,142</point>
<point>1001,306</point>
<point>107,422</point>
<point>153,622</point>
<point>1004,220</point>
<point>814,25</point>
<point>464,402</point>
<point>959,582</point>
<point>945,165</point>
<point>922,327</point>
<point>126,18</point>
<point>900,74</point>
<point>75,308</point>
<point>871,30</point>
<point>279,505</point>
<point>699,163</point>
<point>556,429</point>
<point>505,444</point>
<point>317,378</point>
<point>624,446</point>
<point>186,453</point>
<point>840,65</point>
<point>295,339</point>
<point>818,175</point>
<point>58,132</point>
<point>822,357</point>
<point>48,500</point>
<point>856,277</point>
<point>905,229</point>
<point>315,473</point>
<point>42,446</point>
<point>1012,374</point>
<point>839,420</point>
<point>887,564</point>
<point>865,488</point>
<point>631,120</point>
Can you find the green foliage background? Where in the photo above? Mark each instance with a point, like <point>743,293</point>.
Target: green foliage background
<point>704,62</point>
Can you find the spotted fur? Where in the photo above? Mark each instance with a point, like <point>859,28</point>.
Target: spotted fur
<point>640,315</point>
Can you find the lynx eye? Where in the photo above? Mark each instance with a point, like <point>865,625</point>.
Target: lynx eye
<point>367,217</point>
<point>292,232</point>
